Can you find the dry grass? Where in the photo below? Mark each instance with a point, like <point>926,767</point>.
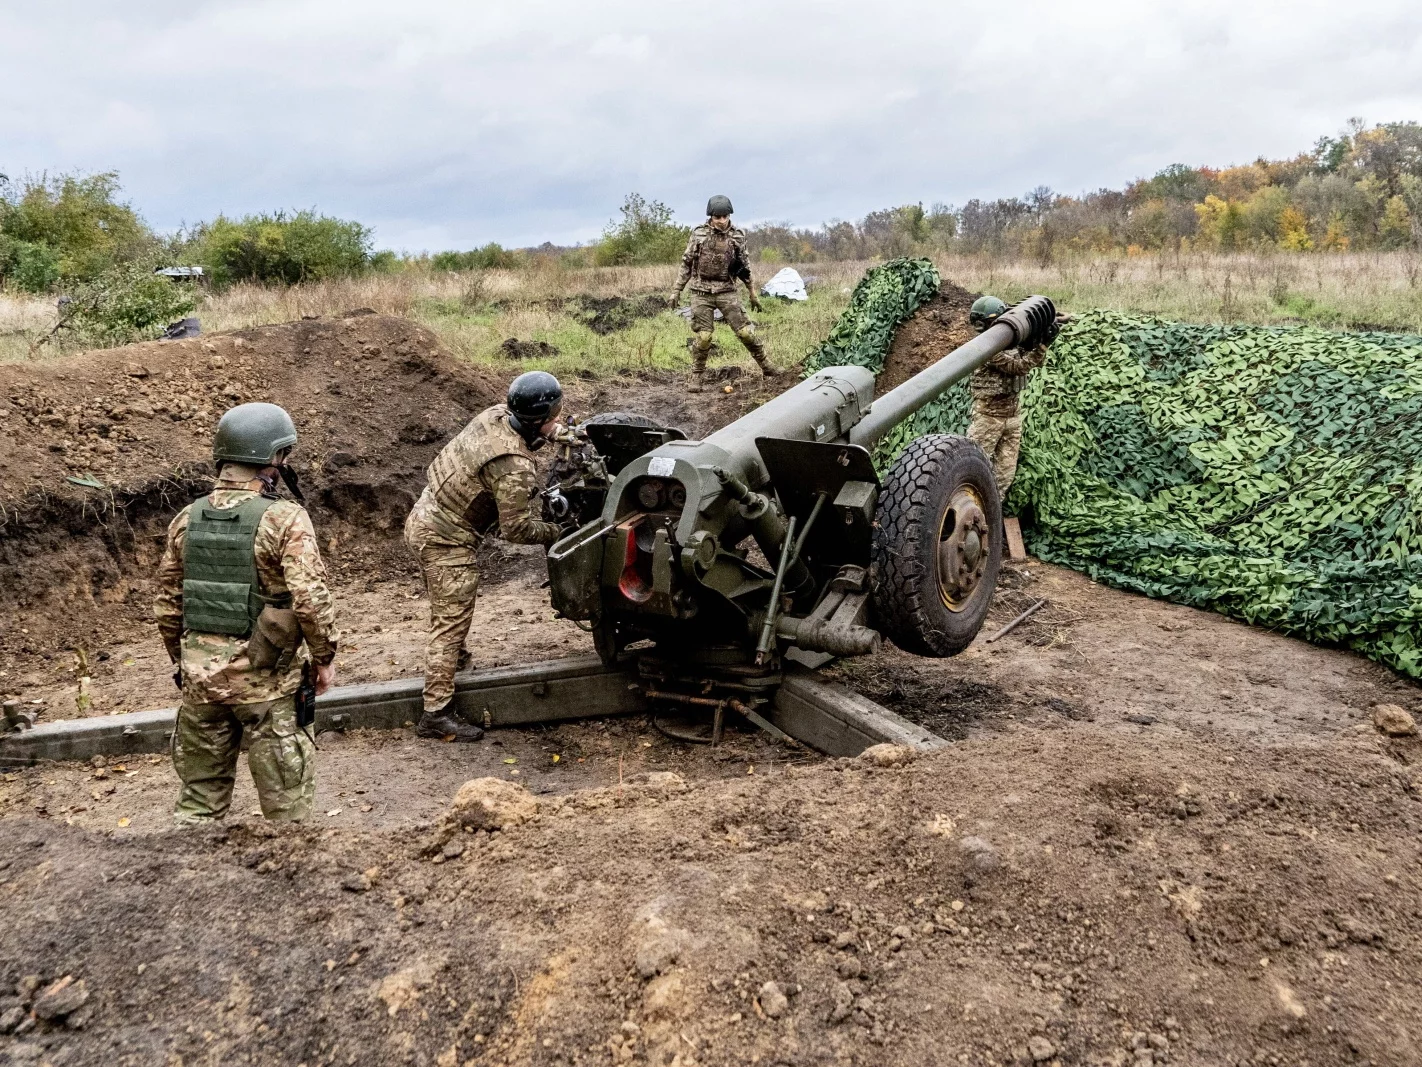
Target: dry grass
<point>1348,291</point>
<point>475,312</point>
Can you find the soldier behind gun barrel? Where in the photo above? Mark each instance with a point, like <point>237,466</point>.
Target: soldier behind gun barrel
<point>714,260</point>
<point>244,609</point>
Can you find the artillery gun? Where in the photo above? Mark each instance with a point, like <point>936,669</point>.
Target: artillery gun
<point>719,557</point>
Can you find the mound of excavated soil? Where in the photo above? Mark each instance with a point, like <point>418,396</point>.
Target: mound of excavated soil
<point>373,397</point>
<point>1061,894</point>
<point>935,329</point>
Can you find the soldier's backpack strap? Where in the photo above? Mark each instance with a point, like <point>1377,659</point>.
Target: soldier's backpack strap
<point>221,588</point>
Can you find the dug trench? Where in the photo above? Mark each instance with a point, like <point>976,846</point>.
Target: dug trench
<point>1158,836</point>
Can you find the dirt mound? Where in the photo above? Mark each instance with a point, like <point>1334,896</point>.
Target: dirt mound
<point>1206,904</point>
<point>513,348</point>
<point>99,450</point>
<point>937,327</point>
<point>609,314</point>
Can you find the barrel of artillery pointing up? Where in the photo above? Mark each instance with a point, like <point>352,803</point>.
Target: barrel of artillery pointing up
<point>1028,323</point>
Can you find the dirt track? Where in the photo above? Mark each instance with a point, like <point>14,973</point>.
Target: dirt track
<point>1156,828</point>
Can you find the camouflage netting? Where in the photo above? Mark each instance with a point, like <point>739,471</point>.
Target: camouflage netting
<point>882,301</point>
<point>1264,472</point>
<point>886,296</point>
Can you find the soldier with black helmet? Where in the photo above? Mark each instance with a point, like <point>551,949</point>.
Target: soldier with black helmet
<point>482,480</point>
<point>714,260</point>
<point>245,611</point>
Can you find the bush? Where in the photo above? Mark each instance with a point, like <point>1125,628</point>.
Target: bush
<point>491,257</point>
<point>124,304</point>
<point>304,247</point>
<point>66,228</point>
<point>646,234</point>
<point>29,267</point>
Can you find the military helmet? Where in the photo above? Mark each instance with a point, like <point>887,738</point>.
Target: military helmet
<point>533,397</point>
<point>719,205</point>
<point>985,311</point>
<point>253,434</point>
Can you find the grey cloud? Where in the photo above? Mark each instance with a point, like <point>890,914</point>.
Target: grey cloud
<point>449,124</point>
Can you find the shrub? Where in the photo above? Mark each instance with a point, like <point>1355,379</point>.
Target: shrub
<point>126,303</point>
<point>646,234</point>
<point>29,267</point>
<point>303,247</point>
<point>491,257</point>
<point>70,227</point>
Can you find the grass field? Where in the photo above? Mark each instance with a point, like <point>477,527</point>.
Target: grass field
<point>476,312</point>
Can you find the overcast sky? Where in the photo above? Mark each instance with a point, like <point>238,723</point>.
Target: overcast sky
<point>450,124</point>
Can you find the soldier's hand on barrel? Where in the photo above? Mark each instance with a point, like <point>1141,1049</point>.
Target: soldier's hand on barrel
<point>325,677</point>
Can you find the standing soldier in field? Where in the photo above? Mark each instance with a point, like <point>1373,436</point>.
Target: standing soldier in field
<point>714,260</point>
<point>483,478</point>
<point>996,424</point>
<point>241,589</point>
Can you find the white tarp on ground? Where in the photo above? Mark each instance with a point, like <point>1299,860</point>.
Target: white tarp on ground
<point>786,284</point>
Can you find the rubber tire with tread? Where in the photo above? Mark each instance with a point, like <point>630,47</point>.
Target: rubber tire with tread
<point>908,605</point>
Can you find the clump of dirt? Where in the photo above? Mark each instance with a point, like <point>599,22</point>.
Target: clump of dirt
<point>609,314</point>
<point>935,329</point>
<point>99,450</point>
<point>513,348</point>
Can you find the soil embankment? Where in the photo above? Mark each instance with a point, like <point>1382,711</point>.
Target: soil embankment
<point>1158,837</point>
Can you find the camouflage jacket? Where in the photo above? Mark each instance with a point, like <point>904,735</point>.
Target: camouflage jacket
<point>483,478</point>
<point>215,666</point>
<point>714,260</point>
<point>997,382</point>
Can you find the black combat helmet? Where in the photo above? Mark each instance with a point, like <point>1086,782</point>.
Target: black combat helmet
<point>719,205</point>
<point>253,434</point>
<point>533,397</point>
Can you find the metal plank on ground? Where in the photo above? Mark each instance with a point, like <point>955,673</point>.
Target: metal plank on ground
<point>838,721</point>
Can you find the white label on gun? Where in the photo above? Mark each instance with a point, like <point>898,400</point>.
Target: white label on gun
<point>661,467</point>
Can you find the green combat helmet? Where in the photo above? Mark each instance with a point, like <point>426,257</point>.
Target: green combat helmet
<point>985,312</point>
<point>253,434</point>
<point>718,205</point>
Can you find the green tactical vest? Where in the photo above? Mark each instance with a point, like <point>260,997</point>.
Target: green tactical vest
<point>221,589</point>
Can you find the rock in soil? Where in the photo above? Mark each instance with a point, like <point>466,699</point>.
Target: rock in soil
<point>1394,721</point>
<point>64,997</point>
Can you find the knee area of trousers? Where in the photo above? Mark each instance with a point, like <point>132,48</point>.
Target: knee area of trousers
<point>746,332</point>
<point>703,340</point>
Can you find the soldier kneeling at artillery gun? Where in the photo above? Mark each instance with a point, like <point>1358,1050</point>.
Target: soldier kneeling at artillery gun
<point>241,588</point>
<point>482,479</point>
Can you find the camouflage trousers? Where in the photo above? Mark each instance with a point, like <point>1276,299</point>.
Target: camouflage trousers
<point>452,582</point>
<point>281,757</point>
<point>703,322</point>
<point>1000,437</point>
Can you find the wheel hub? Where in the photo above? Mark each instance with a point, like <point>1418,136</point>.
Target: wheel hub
<point>962,548</point>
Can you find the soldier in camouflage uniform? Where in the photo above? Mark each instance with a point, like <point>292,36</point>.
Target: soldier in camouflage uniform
<point>482,479</point>
<point>996,424</point>
<point>242,604</point>
<point>714,260</point>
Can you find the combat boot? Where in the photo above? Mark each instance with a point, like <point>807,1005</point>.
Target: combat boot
<point>444,724</point>
<point>697,383</point>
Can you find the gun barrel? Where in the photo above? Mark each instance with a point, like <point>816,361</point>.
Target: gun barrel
<point>1028,323</point>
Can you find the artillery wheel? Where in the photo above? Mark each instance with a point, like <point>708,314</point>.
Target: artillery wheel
<point>937,546</point>
<point>621,418</point>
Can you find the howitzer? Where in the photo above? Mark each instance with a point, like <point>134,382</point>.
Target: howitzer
<point>776,531</point>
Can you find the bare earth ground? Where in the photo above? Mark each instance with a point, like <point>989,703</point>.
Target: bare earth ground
<point>1159,836</point>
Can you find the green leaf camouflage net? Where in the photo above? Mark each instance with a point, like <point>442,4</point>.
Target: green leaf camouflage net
<point>886,296</point>
<point>1269,473</point>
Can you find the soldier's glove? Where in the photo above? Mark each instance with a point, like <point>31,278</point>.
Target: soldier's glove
<point>674,300</point>
<point>755,301</point>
